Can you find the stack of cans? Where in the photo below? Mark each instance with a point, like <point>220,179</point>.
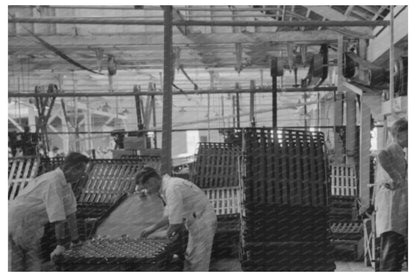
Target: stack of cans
<point>284,217</point>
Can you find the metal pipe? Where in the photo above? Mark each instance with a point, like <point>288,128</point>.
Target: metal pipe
<point>166,156</point>
<point>193,129</point>
<point>196,92</point>
<point>120,21</point>
<point>237,104</point>
<point>252,87</point>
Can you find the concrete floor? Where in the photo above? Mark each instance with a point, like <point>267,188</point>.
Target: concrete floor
<point>234,265</point>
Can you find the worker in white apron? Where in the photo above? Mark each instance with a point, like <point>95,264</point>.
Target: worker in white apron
<point>391,200</point>
<point>185,202</point>
<point>47,198</point>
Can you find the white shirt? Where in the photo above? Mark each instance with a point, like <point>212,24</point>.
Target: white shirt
<point>183,199</point>
<point>47,198</point>
<point>391,206</point>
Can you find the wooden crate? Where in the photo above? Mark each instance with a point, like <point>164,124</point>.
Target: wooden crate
<point>216,165</point>
<point>21,171</point>
<point>343,180</point>
<point>224,200</point>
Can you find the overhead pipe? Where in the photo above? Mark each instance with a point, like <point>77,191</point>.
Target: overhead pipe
<point>156,93</point>
<point>121,21</point>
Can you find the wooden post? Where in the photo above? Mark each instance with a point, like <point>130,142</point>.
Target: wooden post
<point>154,120</point>
<point>77,146</point>
<point>252,119</point>
<point>274,90</point>
<point>338,124</point>
<point>166,157</point>
<point>211,84</point>
<point>89,143</point>
<point>237,104</point>
<point>305,111</point>
<point>136,89</point>
<point>364,161</point>
<point>338,108</point>
<point>351,130</point>
<point>391,61</point>
<point>233,103</point>
<point>222,111</point>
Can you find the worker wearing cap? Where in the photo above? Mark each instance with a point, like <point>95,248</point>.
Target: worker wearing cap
<point>47,198</point>
<point>185,202</point>
<point>391,199</point>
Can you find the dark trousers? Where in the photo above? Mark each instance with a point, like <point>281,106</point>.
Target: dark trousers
<point>392,251</point>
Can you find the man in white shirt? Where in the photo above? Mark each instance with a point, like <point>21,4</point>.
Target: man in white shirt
<point>47,198</point>
<point>185,204</point>
<point>391,199</point>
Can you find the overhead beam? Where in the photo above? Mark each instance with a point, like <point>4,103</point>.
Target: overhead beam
<point>121,21</point>
<point>196,92</point>
<point>379,46</point>
<point>331,14</point>
<point>141,39</point>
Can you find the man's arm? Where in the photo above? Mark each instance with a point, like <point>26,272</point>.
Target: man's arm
<point>73,228</point>
<point>385,161</point>
<point>60,239</point>
<point>162,223</point>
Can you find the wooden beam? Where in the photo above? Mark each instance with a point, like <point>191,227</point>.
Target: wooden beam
<point>349,10</point>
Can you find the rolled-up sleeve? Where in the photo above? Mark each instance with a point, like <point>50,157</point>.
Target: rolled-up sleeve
<point>54,204</point>
<point>174,205</point>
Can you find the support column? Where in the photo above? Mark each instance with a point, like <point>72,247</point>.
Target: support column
<point>166,157</point>
<point>364,161</point>
<point>338,128</point>
<point>351,130</point>
<point>252,119</point>
<point>237,104</point>
<point>338,108</point>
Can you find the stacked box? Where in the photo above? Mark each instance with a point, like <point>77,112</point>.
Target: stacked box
<point>285,186</point>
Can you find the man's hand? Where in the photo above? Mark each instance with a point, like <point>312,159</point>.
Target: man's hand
<point>59,250</point>
<point>173,231</point>
<point>75,244</point>
<point>146,232</point>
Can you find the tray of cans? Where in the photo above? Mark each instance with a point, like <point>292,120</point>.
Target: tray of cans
<point>216,165</point>
<point>129,252</point>
<point>285,167</point>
